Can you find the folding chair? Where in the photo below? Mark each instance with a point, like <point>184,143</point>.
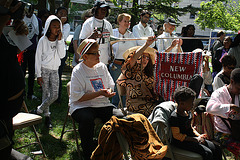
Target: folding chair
<point>68,115</point>
<point>159,119</point>
<point>22,120</point>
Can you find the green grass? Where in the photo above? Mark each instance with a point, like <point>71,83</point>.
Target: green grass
<point>49,138</point>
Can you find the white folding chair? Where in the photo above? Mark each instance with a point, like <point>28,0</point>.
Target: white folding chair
<point>22,120</point>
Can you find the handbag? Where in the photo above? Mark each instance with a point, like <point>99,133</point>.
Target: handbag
<point>234,128</point>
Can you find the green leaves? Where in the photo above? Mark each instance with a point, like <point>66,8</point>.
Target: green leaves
<point>219,13</point>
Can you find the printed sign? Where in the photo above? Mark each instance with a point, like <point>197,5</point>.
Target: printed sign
<point>175,69</point>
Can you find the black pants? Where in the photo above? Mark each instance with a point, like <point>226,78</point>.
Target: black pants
<point>29,62</point>
<point>85,118</point>
<point>209,151</point>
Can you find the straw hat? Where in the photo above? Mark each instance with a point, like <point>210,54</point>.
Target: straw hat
<point>149,50</point>
<point>84,46</point>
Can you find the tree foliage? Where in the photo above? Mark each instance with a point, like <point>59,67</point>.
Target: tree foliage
<point>159,8</point>
<point>219,13</point>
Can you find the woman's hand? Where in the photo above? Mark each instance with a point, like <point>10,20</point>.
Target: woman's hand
<point>107,93</point>
<point>150,40</point>
<point>20,27</point>
<point>60,35</point>
<point>200,139</point>
<point>63,20</point>
<point>95,35</point>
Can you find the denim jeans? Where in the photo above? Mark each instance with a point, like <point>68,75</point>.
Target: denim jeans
<point>115,73</point>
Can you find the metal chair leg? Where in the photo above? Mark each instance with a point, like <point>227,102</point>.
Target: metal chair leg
<point>39,142</point>
<point>76,137</point>
<point>66,118</point>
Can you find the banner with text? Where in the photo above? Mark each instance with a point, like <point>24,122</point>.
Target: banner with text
<point>175,69</point>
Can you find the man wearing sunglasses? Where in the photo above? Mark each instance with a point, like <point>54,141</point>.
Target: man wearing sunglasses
<point>223,77</point>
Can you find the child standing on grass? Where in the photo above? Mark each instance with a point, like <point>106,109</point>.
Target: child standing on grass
<point>184,135</point>
<point>49,52</point>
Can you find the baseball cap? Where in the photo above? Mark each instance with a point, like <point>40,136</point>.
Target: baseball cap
<point>101,4</point>
<point>171,21</point>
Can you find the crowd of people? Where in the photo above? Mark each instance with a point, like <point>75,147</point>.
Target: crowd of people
<point>99,66</point>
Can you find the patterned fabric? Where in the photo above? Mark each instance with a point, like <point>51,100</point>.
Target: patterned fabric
<point>228,142</point>
<point>140,96</point>
<point>142,139</point>
<point>175,69</point>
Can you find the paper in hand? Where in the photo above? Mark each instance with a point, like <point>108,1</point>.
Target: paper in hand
<point>21,41</point>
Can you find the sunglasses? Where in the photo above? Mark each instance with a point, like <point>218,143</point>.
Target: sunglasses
<point>230,68</point>
<point>146,57</point>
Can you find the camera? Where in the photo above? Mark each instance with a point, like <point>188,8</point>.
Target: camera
<point>19,13</point>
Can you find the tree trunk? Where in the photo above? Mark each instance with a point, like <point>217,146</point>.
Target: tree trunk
<point>52,6</point>
<point>41,5</point>
<point>66,3</point>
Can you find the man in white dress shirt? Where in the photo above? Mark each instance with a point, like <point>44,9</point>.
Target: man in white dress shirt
<point>143,29</point>
<point>169,45</point>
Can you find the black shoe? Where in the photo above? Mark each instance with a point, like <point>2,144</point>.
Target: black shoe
<point>34,111</point>
<point>48,122</point>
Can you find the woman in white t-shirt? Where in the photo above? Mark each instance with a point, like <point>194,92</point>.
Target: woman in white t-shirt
<point>119,48</point>
<point>90,89</point>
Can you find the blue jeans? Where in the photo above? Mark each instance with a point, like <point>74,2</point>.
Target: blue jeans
<point>115,73</point>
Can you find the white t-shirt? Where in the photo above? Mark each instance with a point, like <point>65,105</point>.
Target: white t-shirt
<point>32,24</point>
<point>120,47</point>
<point>87,29</point>
<point>140,31</point>
<point>86,80</point>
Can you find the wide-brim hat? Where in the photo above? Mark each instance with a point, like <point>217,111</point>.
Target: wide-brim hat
<point>84,46</point>
<point>149,50</point>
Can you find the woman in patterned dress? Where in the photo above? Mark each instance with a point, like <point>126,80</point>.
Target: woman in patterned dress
<point>137,77</point>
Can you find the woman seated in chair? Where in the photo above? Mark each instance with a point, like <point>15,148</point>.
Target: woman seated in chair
<point>137,77</point>
<point>224,105</point>
<point>90,89</point>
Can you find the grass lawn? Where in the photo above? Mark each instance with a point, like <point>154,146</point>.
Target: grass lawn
<point>66,149</point>
<point>49,138</point>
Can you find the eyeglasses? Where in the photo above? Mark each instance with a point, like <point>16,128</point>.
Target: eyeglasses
<point>95,54</point>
